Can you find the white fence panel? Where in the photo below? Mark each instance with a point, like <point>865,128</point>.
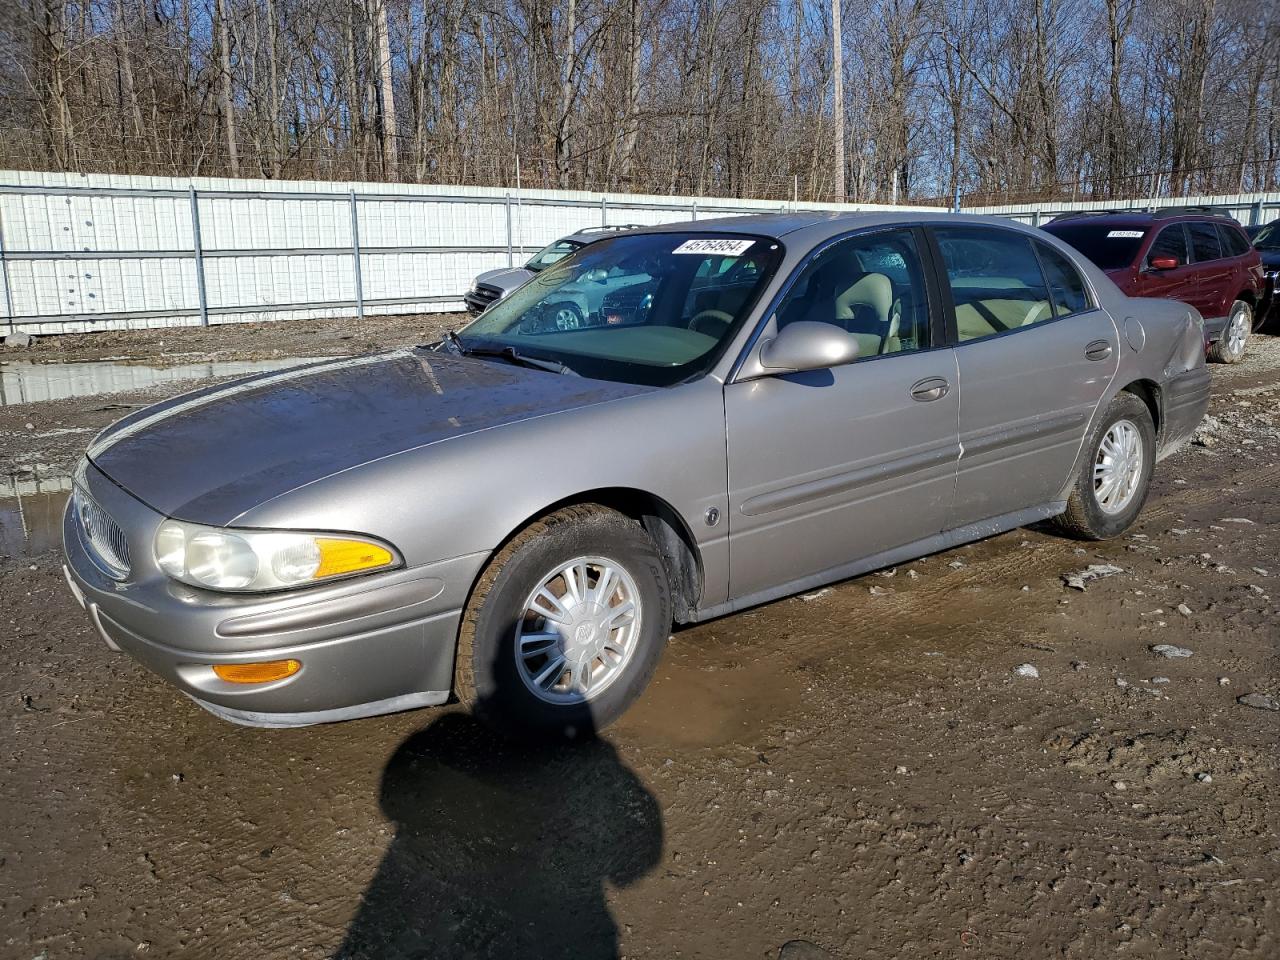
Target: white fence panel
<point>81,253</point>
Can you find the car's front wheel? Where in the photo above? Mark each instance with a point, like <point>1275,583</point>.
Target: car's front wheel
<point>1235,336</point>
<point>566,625</point>
<point>1115,472</point>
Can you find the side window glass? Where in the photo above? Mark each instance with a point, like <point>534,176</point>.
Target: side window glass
<point>1232,241</point>
<point>1065,283</point>
<point>996,281</point>
<point>872,286</point>
<point>1204,242</point>
<point>1170,242</point>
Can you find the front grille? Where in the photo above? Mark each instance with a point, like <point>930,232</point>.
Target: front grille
<point>486,294</point>
<point>102,535</point>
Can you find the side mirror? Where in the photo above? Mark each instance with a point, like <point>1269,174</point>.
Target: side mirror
<point>1164,263</point>
<point>808,345</point>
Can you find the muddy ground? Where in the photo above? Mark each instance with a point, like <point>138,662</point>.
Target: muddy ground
<point>860,768</point>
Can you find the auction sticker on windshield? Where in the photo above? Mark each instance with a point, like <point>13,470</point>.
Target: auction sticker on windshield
<point>1126,234</point>
<point>729,248</point>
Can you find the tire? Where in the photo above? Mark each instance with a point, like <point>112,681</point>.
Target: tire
<point>499,685</point>
<point>1088,517</point>
<point>1230,347</point>
<point>566,316</point>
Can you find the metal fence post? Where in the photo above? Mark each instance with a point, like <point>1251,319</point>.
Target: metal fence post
<point>604,211</point>
<point>355,254</point>
<point>694,208</point>
<point>511,260</point>
<point>4,279</point>
<point>197,250</point>
<point>1256,215</point>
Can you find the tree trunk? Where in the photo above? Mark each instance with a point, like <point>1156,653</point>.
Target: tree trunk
<point>226,97</point>
<point>837,103</point>
<point>564,120</point>
<point>386,92</point>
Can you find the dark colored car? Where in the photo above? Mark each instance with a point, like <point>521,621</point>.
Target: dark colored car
<point>1204,259</point>
<point>1266,240</point>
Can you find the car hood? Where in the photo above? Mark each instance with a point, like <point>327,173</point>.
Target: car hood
<point>211,455</point>
<point>505,279</point>
<point>1270,258</point>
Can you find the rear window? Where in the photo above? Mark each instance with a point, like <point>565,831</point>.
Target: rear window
<point>1108,246</point>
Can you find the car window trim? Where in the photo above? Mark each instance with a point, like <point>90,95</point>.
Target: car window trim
<point>918,234</point>
<point>953,332</point>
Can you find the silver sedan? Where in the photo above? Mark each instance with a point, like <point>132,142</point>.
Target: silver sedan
<point>516,516</point>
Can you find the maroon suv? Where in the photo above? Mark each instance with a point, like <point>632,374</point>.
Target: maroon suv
<point>1204,259</point>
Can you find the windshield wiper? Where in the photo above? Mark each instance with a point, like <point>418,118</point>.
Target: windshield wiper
<point>509,354</point>
<point>454,341</point>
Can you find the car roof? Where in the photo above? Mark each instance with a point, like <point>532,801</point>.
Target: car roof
<point>817,225</point>
<point>1104,220</point>
<point>1144,218</point>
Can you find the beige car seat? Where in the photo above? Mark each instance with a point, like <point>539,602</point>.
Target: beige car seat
<point>869,300</point>
<point>839,292</point>
<point>982,318</point>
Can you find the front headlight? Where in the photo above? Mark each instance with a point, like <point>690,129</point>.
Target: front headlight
<point>256,560</point>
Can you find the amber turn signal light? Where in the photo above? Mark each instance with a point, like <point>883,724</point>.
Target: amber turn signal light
<point>257,672</point>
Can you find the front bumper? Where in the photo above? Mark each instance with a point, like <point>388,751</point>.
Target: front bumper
<point>480,299</point>
<point>369,645</point>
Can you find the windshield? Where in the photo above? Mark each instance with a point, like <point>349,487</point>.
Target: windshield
<point>1268,237</point>
<point>552,254</point>
<point>1108,246</point>
<point>642,308</point>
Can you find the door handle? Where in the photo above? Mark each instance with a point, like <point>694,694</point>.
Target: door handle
<point>1098,350</point>
<point>930,388</point>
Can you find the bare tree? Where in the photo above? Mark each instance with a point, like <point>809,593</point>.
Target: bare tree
<point>873,99</point>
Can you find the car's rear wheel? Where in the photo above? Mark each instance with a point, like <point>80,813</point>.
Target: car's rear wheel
<point>565,626</point>
<point>1115,472</point>
<point>1235,336</point>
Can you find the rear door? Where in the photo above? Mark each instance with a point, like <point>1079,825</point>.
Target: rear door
<point>1035,355</point>
<point>833,466</point>
<point>1213,273</point>
<point>1177,284</point>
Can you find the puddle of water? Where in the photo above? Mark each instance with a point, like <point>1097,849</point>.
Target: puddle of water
<point>699,698</point>
<point>24,381</point>
<point>31,514</point>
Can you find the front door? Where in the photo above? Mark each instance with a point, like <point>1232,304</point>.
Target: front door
<point>1178,283</point>
<point>833,466</point>
<point>1035,355</point>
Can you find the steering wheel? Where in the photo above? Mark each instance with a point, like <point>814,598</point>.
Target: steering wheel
<point>711,323</point>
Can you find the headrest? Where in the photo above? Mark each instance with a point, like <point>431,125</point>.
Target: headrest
<point>873,290</point>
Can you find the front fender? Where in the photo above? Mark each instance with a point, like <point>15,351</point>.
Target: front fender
<point>468,494</point>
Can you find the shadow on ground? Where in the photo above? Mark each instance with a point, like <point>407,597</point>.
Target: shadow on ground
<point>503,849</point>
